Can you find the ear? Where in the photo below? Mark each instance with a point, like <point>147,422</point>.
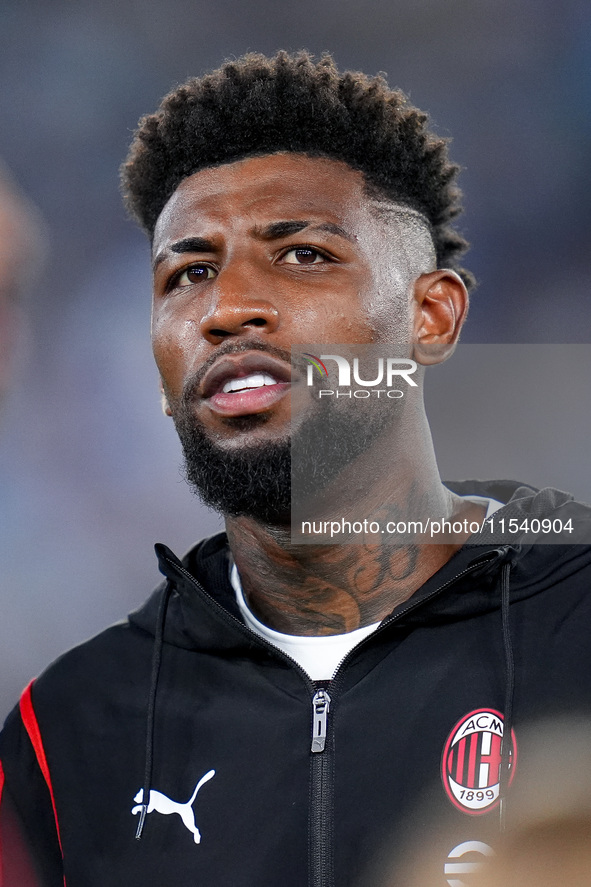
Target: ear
<point>164,402</point>
<point>441,305</point>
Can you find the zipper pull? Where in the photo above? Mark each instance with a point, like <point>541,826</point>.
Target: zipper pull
<point>320,707</point>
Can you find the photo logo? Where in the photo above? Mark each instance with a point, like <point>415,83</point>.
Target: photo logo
<point>389,371</point>
<point>471,762</point>
<point>314,361</point>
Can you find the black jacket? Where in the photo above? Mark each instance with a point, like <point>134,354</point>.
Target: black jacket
<point>415,713</point>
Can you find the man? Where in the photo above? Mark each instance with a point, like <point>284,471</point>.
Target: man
<point>275,711</point>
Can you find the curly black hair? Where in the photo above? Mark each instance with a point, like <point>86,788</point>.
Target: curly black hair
<point>258,105</point>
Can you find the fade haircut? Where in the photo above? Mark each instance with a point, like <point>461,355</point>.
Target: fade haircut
<point>258,105</point>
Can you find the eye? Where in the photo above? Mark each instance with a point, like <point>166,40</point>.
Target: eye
<point>303,255</point>
<point>194,274</point>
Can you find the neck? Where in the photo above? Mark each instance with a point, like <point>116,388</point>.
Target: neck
<point>318,589</point>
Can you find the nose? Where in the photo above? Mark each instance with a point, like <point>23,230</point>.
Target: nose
<point>238,308</point>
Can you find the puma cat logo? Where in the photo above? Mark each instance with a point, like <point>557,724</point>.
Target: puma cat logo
<point>161,804</point>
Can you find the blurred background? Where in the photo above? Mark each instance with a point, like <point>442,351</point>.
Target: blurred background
<point>89,467</point>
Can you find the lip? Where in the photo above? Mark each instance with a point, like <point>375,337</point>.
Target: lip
<point>249,400</point>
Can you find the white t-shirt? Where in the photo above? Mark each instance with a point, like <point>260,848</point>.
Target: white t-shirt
<point>319,656</point>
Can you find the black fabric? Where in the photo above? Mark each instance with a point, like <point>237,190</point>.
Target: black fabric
<point>28,838</point>
<point>227,701</point>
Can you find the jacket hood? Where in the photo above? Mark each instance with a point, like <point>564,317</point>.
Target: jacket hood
<point>202,611</point>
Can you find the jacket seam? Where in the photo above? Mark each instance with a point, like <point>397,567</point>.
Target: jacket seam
<point>29,719</point>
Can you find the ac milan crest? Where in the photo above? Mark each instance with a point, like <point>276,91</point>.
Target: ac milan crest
<point>471,762</point>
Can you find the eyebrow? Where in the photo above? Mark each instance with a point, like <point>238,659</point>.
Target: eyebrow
<point>276,230</point>
<point>186,245</point>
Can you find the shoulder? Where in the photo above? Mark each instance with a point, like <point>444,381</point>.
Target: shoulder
<point>94,677</point>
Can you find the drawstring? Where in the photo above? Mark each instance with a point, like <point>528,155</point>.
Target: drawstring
<point>509,691</point>
<point>156,660</point>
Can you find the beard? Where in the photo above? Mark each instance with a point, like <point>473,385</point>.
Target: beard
<point>257,481</point>
<point>254,480</point>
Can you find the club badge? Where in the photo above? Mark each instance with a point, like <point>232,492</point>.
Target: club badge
<point>471,762</point>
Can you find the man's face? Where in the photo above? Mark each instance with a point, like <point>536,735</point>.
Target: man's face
<point>252,257</point>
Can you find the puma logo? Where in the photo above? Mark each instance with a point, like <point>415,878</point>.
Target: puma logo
<point>161,804</point>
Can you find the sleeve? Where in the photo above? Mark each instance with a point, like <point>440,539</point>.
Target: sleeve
<point>30,848</point>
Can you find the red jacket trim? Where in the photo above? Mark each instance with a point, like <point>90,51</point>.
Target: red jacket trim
<point>32,727</point>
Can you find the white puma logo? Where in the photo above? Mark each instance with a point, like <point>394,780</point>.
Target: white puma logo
<point>161,804</point>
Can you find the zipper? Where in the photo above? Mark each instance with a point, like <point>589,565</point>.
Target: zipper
<point>320,709</point>
<point>321,843</point>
